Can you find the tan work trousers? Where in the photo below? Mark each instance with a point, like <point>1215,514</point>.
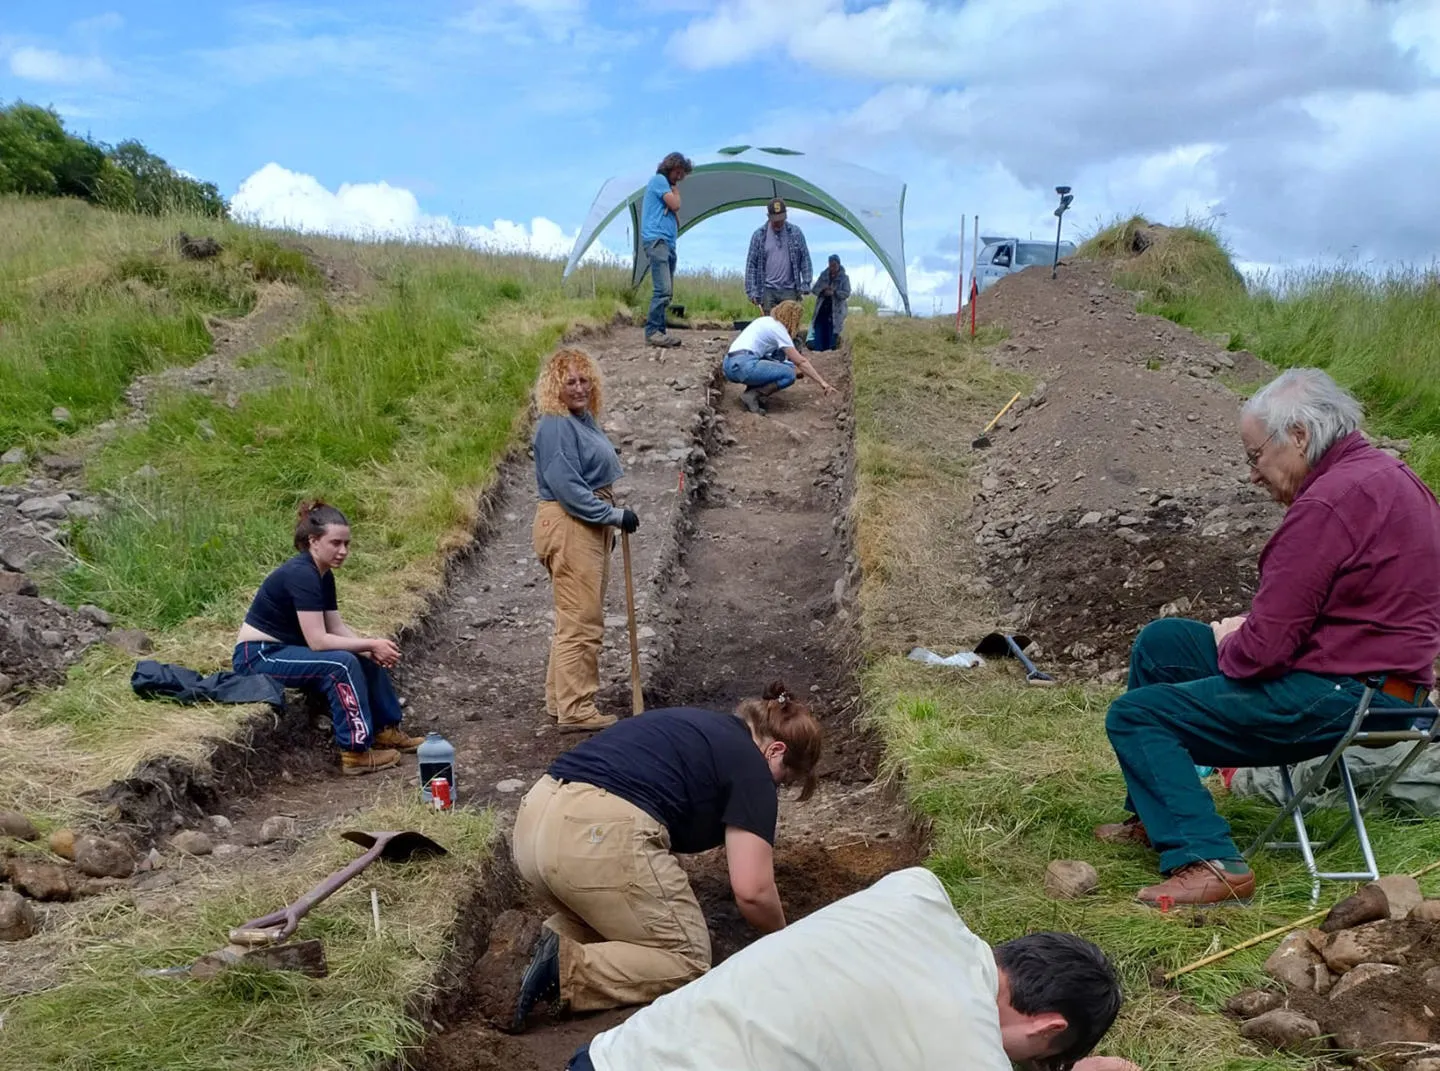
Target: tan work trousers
<point>577,557</point>
<point>630,927</point>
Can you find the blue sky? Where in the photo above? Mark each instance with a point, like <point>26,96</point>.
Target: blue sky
<point>1307,131</point>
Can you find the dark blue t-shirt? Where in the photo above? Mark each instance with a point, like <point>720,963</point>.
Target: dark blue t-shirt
<point>694,771</point>
<point>295,586</point>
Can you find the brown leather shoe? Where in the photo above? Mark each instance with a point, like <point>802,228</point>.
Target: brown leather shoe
<point>1200,883</point>
<point>590,724</point>
<point>1130,831</point>
<point>397,739</point>
<point>355,763</point>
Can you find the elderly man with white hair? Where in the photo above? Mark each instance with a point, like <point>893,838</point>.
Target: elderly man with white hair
<point>1349,589</point>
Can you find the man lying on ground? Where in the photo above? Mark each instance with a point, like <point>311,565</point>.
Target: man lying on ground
<point>1349,589</point>
<point>887,978</point>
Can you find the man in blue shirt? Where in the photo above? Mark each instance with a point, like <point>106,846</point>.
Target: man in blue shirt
<point>659,228</point>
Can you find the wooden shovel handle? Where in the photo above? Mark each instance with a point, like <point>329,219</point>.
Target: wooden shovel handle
<point>637,697</point>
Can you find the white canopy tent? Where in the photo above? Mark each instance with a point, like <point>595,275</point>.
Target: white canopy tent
<point>869,205</point>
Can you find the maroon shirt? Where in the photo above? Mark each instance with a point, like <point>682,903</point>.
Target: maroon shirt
<point>1350,581</point>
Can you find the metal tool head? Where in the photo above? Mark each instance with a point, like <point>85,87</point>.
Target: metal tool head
<point>397,846</point>
<point>998,643</point>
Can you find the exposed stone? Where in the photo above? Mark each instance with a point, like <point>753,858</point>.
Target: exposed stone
<point>510,784</point>
<point>1284,1029</point>
<point>17,584</point>
<point>1375,942</point>
<point>62,843</point>
<point>1323,979</point>
<point>16,455</point>
<point>1091,518</point>
<point>1367,905</point>
<point>277,827</point>
<point>1402,892</point>
<point>5,684</point>
<point>60,415</point>
<point>97,615</point>
<point>56,465</point>
<point>1179,608</point>
<point>1366,972</point>
<point>1291,963</point>
<point>15,824</point>
<point>101,858</point>
<point>44,507</point>
<point>39,880</point>
<point>219,824</point>
<point>17,917</point>
<point>51,638</point>
<point>1380,1026</point>
<point>130,640</point>
<point>1423,1063</point>
<point>1253,1002</point>
<point>1426,911</point>
<point>1431,978</point>
<point>192,842</point>
<point>1070,879</point>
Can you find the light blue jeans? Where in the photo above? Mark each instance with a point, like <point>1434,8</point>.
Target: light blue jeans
<point>662,274</point>
<point>743,366</point>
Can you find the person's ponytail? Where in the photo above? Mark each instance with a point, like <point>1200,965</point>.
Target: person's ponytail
<point>311,520</point>
<point>778,715</point>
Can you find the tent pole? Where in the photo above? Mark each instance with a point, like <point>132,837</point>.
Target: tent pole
<point>960,285</point>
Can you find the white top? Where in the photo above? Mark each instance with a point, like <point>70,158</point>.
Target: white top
<point>887,978</point>
<point>762,337</point>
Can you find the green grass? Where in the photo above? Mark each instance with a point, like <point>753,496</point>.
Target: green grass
<point>1011,777</point>
<point>104,1014</point>
<point>1377,334</point>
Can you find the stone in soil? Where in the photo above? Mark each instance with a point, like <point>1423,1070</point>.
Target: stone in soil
<point>1070,879</point>
<point>1253,1002</point>
<point>277,827</point>
<point>17,917</point>
<point>1426,911</point>
<point>1292,962</point>
<point>192,842</point>
<point>1366,972</point>
<point>1402,892</point>
<point>130,640</point>
<point>1367,905</point>
<point>14,824</point>
<point>1373,942</point>
<point>496,979</point>
<point>17,584</point>
<point>1284,1029</point>
<point>39,880</point>
<point>62,843</point>
<point>102,858</point>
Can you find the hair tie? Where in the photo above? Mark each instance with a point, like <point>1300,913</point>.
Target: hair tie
<point>782,699</point>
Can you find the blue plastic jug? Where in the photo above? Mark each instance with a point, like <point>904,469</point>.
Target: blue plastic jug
<point>437,759</point>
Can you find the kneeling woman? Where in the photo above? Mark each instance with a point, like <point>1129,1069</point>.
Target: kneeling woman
<point>597,837</point>
<point>293,632</point>
<point>764,357</point>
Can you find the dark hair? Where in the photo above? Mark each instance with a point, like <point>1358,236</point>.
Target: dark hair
<point>312,519</point>
<point>1059,972</point>
<point>778,716</point>
<point>672,161</point>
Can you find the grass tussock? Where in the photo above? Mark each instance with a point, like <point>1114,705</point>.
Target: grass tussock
<point>104,1014</point>
<point>1377,333</point>
<point>1011,777</point>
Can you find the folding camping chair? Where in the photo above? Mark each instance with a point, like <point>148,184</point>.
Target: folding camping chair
<point>1420,734</point>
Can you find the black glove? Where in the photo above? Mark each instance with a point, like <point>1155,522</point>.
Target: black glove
<point>628,521</point>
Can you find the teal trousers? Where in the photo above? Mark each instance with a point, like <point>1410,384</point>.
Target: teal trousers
<point>1180,712</point>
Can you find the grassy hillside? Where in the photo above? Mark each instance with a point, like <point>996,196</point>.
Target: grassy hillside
<point>1377,334</point>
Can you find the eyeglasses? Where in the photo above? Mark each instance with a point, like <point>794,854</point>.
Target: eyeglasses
<point>1252,457</point>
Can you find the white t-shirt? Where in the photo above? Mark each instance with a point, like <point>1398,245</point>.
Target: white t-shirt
<point>764,336</point>
<point>887,978</point>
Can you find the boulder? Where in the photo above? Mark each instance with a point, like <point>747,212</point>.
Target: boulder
<point>1291,964</point>
<point>62,843</point>
<point>39,880</point>
<point>15,824</point>
<point>1366,972</point>
<point>1253,1002</point>
<point>1380,1026</point>
<point>1375,942</point>
<point>1367,905</point>
<point>192,842</point>
<point>1070,879</point>
<point>17,917</point>
<point>1402,892</point>
<point>101,858</point>
<point>1284,1029</point>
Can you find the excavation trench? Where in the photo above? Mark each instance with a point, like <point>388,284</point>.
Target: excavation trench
<point>758,589</point>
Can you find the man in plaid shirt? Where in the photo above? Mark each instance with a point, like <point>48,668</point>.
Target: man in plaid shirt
<point>777,268</point>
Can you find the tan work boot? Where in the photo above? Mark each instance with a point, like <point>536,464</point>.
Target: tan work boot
<point>590,724</point>
<point>1130,831</point>
<point>1205,882</point>
<point>392,736</point>
<point>355,763</point>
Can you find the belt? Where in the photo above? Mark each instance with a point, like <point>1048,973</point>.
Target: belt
<point>1403,690</point>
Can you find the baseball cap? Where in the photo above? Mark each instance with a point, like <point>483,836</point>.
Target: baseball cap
<point>835,258</point>
<point>776,206</point>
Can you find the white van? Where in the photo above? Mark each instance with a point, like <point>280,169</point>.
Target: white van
<point>1001,256</point>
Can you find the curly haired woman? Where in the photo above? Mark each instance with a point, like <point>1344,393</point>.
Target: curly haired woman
<point>575,466</point>
<point>764,357</point>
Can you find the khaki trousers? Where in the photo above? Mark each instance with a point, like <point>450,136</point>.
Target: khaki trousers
<point>630,927</point>
<point>577,557</point>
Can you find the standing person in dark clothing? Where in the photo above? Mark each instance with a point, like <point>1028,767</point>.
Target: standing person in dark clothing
<point>575,465</point>
<point>659,235</point>
<point>1349,589</point>
<point>777,266</point>
<point>598,834</point>
<point>832,293</point>
<point>294,633</point>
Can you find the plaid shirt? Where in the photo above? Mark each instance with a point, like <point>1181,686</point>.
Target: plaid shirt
<point>755,261</point>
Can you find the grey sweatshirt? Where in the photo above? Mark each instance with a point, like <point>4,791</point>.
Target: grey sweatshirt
<point>573,459</point>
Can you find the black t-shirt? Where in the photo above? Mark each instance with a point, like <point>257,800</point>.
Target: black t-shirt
<point>295,586</point>
<point>694,771</point>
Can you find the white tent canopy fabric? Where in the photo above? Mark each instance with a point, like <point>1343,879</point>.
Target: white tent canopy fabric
<point>869,205</point>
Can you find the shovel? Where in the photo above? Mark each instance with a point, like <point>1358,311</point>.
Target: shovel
<point>983,439</point>
<point>1004,645</point>
<point>637,695</point>
<point>393,847</point>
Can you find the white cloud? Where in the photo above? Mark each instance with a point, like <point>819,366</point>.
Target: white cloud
<point>56,68</point>
<point>275,196</point>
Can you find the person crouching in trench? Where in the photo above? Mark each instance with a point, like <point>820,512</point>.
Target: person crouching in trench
<point>575,466</point>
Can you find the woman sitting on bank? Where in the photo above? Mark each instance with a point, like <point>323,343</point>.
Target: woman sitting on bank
<point>293,632</point>
<point>575,466</point>
<point>596,838</point>
<point>764,358</point>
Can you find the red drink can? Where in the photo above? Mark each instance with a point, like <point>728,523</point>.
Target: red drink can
<point>440,797</point>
